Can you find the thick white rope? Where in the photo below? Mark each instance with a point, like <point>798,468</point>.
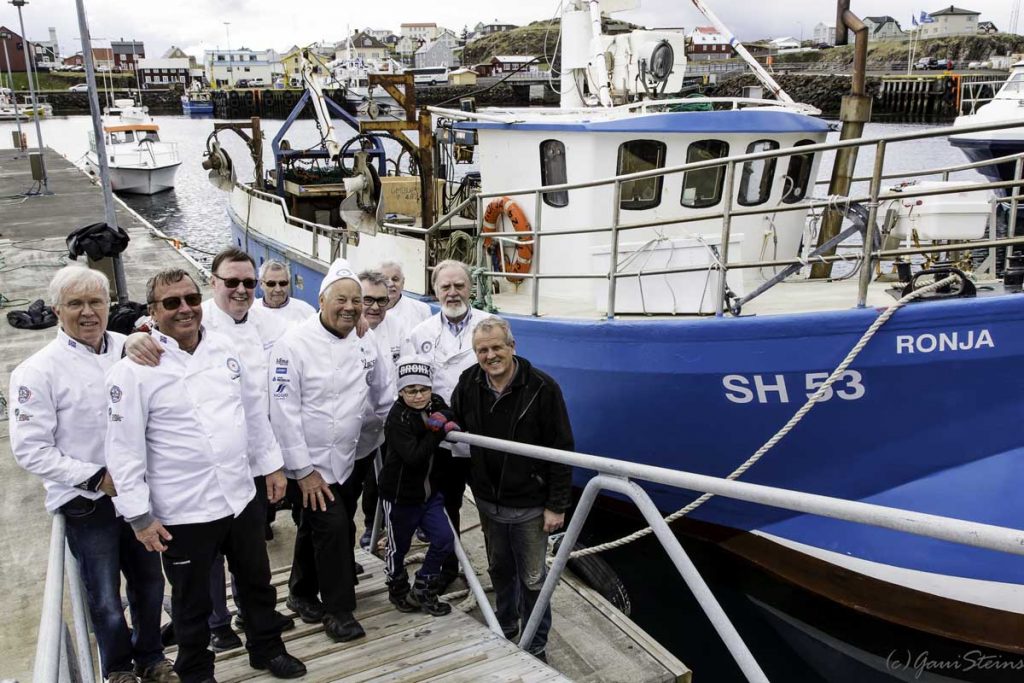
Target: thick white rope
<point>793,421</point>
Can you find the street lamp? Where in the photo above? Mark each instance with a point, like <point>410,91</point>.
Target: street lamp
<point>231,75</point>
<point>27,47</point>
<point>4,36</point>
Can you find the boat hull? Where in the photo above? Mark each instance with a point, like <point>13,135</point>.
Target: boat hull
<point>920,421</point>
<point>196,108</point>
<point>146,181</point>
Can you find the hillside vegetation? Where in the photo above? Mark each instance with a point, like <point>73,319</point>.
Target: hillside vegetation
<point>525,40</point>
<point>957,48</point>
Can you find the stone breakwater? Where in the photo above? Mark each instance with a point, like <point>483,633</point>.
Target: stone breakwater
<point>66,103</point>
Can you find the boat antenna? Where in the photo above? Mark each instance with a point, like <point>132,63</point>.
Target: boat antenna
<point>762,75</point>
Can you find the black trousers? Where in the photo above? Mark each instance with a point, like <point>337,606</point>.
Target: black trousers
<point>324,558</point>
<point>455,474</point>
<point>187,561</point>
<point>355,490</point>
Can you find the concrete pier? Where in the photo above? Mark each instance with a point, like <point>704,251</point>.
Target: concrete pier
<point>590,640</point>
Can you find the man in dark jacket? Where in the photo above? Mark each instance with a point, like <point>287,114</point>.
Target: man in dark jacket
<point>521,500</point>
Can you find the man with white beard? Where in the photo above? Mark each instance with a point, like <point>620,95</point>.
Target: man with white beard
<point>447,339</point>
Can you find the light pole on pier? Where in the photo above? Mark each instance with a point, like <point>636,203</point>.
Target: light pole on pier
<point>27,47</point>
<point>231,74</point>
<point>4,36</point>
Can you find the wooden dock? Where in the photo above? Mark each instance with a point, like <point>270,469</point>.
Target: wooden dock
<point>590,640</point>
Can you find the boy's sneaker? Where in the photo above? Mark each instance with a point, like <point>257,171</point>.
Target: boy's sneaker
<point>398,594</point>
<point>364,540</point>
<point>424,596</point>
<point>158,672</point>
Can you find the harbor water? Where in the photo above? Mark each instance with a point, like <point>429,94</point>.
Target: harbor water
<point>795,635</point>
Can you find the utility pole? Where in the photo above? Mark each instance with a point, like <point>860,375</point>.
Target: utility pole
<point>10,77</point>
<point>110,217</point>
<point>27,47</point>
<point>231,75</point>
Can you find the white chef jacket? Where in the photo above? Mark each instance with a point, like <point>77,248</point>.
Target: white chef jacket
<point>250,343</point>
<point>371,434</point>
<point>58,414</point>
<point>185,437</point>
<point>450,354</point>
<point>277,321</point>
<point>407,314</point>
<point>391,336</point>
<point>319,384</point>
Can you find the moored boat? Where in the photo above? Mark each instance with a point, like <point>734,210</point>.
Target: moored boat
<point>651,255</point>
<point>139,161</point>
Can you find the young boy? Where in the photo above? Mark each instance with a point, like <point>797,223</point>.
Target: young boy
<point>409,486</point>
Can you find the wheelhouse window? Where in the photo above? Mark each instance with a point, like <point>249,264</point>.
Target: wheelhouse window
<point>798,175</point>
<point>757,175</point>
<point>636,156</point>
<point>702,187</point>
<point>552,172</point>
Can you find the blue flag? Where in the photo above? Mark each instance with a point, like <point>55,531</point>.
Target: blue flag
<point>926,18</point>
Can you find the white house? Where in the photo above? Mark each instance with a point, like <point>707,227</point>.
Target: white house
<point>419,30</point>
<point>379,33</point>
<point>365,47</point>
<point>227,67</point>
<point>503,64</point>
<point>785,43</point>
<point>950,21</point>
<point>884,28</point>
<point>438,52</point>
<point>824,34</point>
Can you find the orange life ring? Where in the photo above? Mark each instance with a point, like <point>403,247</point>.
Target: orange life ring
<point>522,256</point>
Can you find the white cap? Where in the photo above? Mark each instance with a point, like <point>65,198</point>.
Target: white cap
<point>339,270</point>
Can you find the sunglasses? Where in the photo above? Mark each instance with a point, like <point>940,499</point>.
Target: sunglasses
<point>172,303</point>
<point>273,283</point>
<point>233,282</point>
<point>379,301</point>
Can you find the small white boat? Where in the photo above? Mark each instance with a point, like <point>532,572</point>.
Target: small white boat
<point>140,162</point>
<point>21,111</point>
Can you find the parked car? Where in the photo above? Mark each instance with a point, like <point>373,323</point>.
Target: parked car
<point>257,83</point>
<point>242,83</point>
<point>80,87</point>
<point>930,63</point>
<point>979,65</point>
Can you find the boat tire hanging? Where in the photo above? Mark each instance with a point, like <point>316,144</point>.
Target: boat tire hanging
<point>521,258</point>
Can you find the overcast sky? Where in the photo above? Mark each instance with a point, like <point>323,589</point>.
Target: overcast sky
<point>196,25</point>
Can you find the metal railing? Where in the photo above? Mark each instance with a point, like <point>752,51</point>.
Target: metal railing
<point>58,658</point>
<point>728,212</point>
<point>617,476</point>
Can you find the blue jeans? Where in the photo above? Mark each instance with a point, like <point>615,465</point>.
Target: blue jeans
<point>515,562</point>
<point>105,547</point>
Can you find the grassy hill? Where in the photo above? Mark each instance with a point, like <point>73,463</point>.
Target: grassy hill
<point>957,48</point>
<point>525,40</point>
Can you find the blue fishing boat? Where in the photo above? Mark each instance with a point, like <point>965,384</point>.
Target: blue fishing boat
<point>652,254</point>
<point>196,102</point>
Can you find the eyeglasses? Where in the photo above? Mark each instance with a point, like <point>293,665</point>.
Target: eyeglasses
<point>273,283</point>
<point>172,303</point>
<point>381,301</point>
<point>233,282</point>
<point>411,391</point>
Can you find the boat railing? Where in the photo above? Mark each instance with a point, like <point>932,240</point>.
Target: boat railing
<point>873,199</point>
<point>338,237</point>
<point>974,93</point>
<point>620,477</point>
<point>146,155</point>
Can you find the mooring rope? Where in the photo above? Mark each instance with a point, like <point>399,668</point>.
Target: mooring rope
<point>793,421</point>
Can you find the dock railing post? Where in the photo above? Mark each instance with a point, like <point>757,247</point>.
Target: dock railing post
<point>866,269</point>
<point>1018,173</point>
<point>80,619</point>
<point>535,261</point>
<point>48,645</point>
<point>473,582</point>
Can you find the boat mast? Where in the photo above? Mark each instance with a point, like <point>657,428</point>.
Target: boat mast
<point>762,75</point>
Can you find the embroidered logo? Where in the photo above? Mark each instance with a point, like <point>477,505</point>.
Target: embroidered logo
<point>426,346</point>
<point>114,417</point>
<point>163,339</point>
<point>235,368</point>
<point>281,361</point>
<point>282,370</point>
<point>24,394</point>
<point>282,391</point>
<point>21,415</point>
<point>72,343</point>
<point>115,394</point>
